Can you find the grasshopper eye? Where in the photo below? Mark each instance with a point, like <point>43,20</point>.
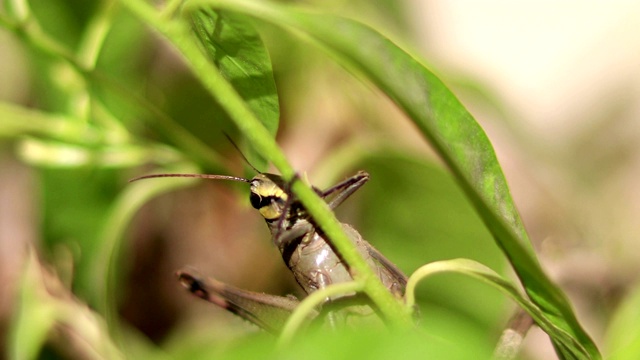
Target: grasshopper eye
<point>256,200</point>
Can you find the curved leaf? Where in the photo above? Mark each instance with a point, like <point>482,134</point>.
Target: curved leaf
<point>309,304</point>
<point>567,345</point>
<point>108,264</point>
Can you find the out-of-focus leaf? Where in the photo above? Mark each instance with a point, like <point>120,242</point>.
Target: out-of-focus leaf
<point>343,343</point>
<point>34,319</point>
<point>17,121</point>
<point>449,128</point>
<point>74,204</point>
<point>63,155</point>
<point>46,306</point>
<point>108,263</point>
<point>623,334</point>
<point>235,48</point>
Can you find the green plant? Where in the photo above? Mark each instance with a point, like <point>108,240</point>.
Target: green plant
<point>98,125</point>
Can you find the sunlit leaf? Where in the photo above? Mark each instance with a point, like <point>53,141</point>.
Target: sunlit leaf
<point>235,48</point>
<point>57,154</point>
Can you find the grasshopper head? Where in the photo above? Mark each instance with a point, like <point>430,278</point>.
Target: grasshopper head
<point>267,191</point>
<point>268,195</point>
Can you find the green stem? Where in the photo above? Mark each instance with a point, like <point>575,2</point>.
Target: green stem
<point>170,8</point>
<point>33,36</point>
<point>87,55</point>
<point>311,302</point>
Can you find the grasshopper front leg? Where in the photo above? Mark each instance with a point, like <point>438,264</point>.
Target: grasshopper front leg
<point>341,191</point>
<point>269,312</point>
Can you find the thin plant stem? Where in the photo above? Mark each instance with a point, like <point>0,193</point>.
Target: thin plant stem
<point>310,303</point>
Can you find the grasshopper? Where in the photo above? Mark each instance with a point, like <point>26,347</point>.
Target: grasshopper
<point>305,250</point>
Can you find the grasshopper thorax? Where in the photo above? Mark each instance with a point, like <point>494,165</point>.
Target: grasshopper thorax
<point>268,195</point>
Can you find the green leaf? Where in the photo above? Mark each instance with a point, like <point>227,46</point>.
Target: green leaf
<point>35,317</point>
<point>449,128</point>
<point>235,48</point>
<point>343,343</point>
<point>623,334</point>
<point>17,121</point>
<point>46,306</point>
<point>109,261</point>
<point>566,344</point>
<point>55,154</point>
<point>399,228</point>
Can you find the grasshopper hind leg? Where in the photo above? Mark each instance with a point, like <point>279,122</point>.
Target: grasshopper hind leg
<point>269,312</point>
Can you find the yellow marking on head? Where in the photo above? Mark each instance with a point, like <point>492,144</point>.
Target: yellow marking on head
<point>267,196</point>
<point>265,187</point>
<point>270,212</point>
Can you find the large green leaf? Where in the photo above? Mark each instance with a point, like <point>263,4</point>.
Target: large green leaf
<point>235,48</point>
<point>448,127</point>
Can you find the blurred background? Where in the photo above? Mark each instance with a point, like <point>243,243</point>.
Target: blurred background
<point>556,86</point>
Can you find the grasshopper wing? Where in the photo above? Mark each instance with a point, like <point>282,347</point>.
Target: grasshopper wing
<point>398,280</point>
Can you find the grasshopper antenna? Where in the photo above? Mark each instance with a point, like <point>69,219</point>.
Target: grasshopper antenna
<point>206,176</point>
<point>200,176</point>
<point>240,152</point>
